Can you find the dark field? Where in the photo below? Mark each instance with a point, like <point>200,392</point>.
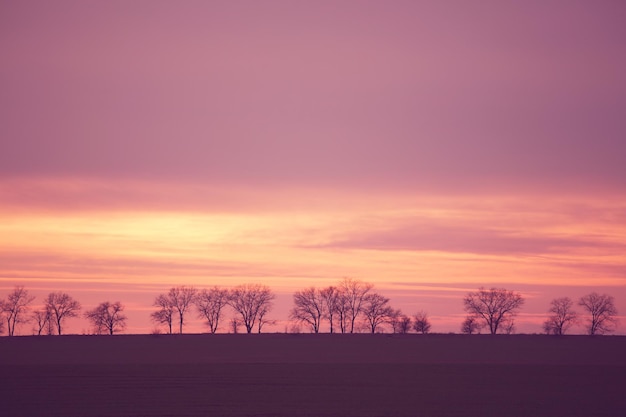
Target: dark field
<point>313,375</point>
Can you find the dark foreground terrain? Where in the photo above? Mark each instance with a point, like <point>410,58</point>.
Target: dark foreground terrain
<point>313,375</point>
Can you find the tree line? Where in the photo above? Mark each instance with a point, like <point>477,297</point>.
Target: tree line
<point>343,307</point>
<point>250,303</point>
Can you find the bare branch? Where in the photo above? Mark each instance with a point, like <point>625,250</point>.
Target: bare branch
<point>376,310</point>
<point>471,325</point>
<point>603,313</point>
<point>421,324</point>
<point>61,307</point>
<point>15,308</point>
<point>181,299</point>
<point>107,318</point>
<point>495,306</point>
<point>43,322</point>
<point>251,302</point>
<point>210,304</point>
<point>165,312</point>
<point>562,316</point>
<point>309,308</point>
<point>330,298</point>
<point>353,293</point>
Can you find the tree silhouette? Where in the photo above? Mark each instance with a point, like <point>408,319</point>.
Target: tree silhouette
<point>376,310</point>
<point>395,320</point>
<point>495,306</point>
<point>353,293</point>
<point>181,298</point>
<point>330,298</point>
<point>107,318</point>
<point>177,301</point>
<point>308,308</point>
<point>421,323</point>
<point>251,302</point>
<point>210,305</point>
<point>262,319</point>
<point>61,307</point>
<point>405,324</point>
<point>15,308</point>
<point>165,312</point>
<point>471,325</point>
<point>342,311</point>
<point>234,324</point>
<point>43,322</point>
<point>602,309</point>
<point>562,316</point>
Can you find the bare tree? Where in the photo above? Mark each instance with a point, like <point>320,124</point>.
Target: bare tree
<point>165,312</point>
<point>15,308</point>
<point>495,306</point>
<point>603,313</point>
<point>181,298</point>
<point>508,326</point>
<point>251,301</point>
<point>342,311</point>
<point>353,292</point>
<point>263,320</point>
<point>61,307</point>
<point>471,325</point>
<point>394,320</point>
<point>330,297</point>
<point>234,325</point>
<point>308,308</point>
<point>107,318</point>
<point>210,304</point>
<point>421,323</point>
<point>43,322</point>
<point>376,310</point>
<point>562,316</point>
<point>405,324</point>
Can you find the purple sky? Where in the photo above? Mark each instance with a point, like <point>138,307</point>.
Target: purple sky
<point>293,143</point>
<point>435,95</point>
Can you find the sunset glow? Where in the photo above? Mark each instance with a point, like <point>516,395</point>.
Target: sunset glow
<point>145,145</point>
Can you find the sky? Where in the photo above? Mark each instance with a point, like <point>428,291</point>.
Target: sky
<point>429,148</point>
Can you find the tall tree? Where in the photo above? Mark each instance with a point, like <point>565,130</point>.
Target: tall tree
<point>353,292</point>
<point>251,301</point>
<point>210,305</point>
<point>164,313</point>
<point>601,308</point>
<point>562,316</point>
<point>495,306</point>
<point>43,322</point>
<point>262,319</point>
<point>15,308</point>
<point>181,298</point>
<point>330,297</point>
<point>308,308</point>
<point>61,307</point>
<point>107,317</point>
<point>376,310</point>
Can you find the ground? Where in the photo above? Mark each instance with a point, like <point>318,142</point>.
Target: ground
<point>313,375</point>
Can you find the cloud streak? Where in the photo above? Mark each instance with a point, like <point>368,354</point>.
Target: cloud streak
<point>421,236</point>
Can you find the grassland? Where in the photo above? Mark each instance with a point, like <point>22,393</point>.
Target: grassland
<point>313,375</point>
